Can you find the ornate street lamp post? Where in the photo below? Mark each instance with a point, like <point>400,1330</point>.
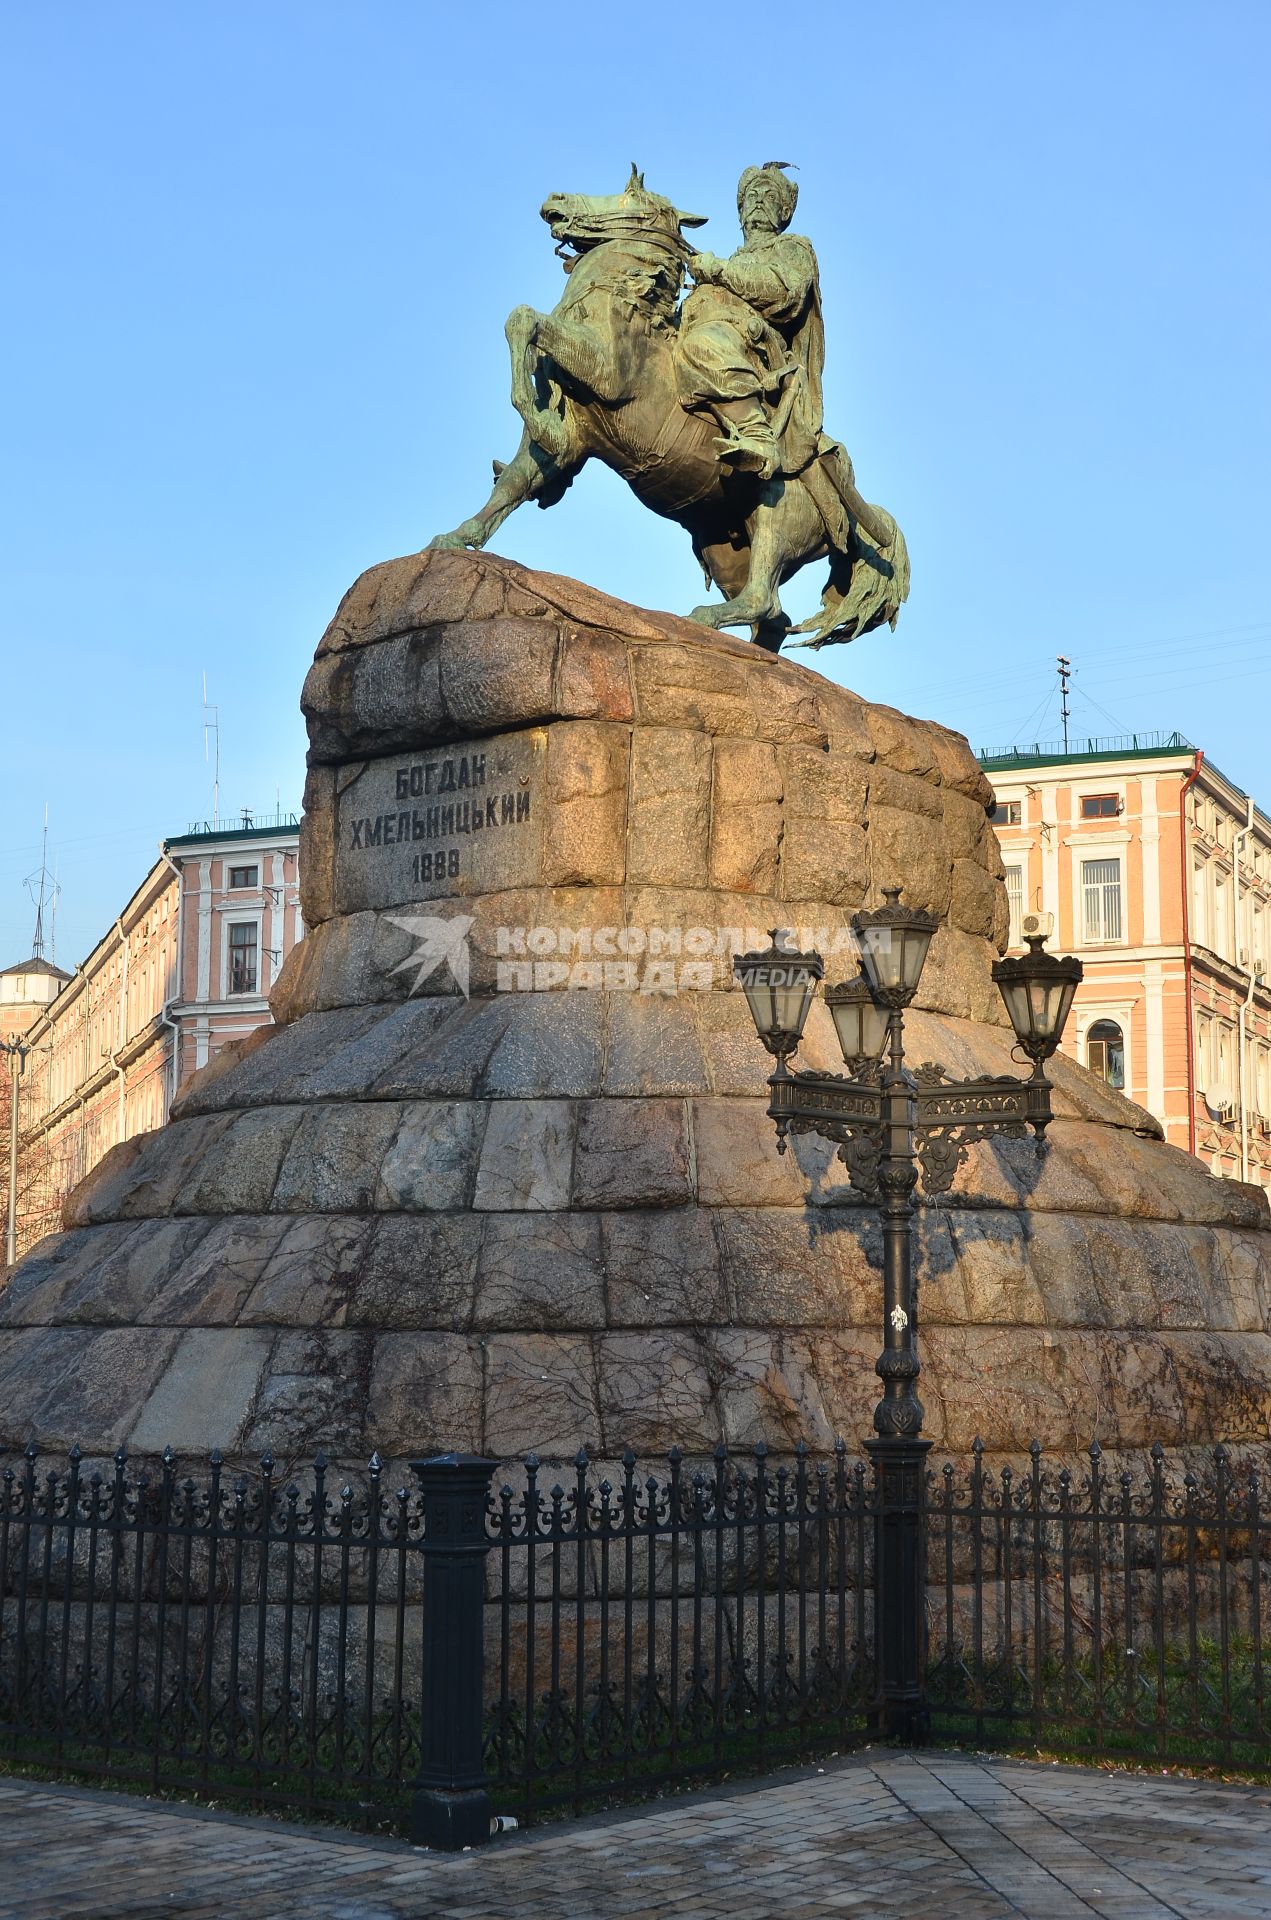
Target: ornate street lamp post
<point>889,1123</point>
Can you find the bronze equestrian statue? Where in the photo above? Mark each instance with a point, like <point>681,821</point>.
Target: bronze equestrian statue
<point>709,410</point>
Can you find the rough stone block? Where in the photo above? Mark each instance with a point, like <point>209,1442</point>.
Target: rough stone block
<point>973,898</point>
<point>652,1046</point>
<point>840,1364</point>
<point>664,1269</point>
<point>425,1395</point>
<point>236,1169</point>
<point>540,1394</point>
<point>716,690</point>
<point>207,1391</point>
<point>526,1156</point>
<point>585,835</point>
<point>32,1294</point>
<point>79,1385</point>
<point>906,793</point>
<point>447,1060</point>
<point>593,680</point>
<point>416,1273</point>
<point>543,1273</point>
<point>993,1267</point>
<point>970,835</point>
<point>763,1394</point>
<point>826,784</point>
<point>308,1275</point>
<point>551,1043</point>
<point>115,1290</point>
<point>670,806</point>
<point>1225,1383</point>
<point>790,1268</point>
<point>824,858</point>
<point>745,817</point>
<point>1057,1386</point>
<point>333,1159</point>
<point>317,846</point>
<point>909,850</point>
<point>903,744</point>
<point>377,1056</point>
<point>737,1160</point>
<point>498,674</point>
<point>631,1153</point>
<point>655,1392</point>
<point>313,1396</point>
<point>431,1164</point>
<point>375,698</point>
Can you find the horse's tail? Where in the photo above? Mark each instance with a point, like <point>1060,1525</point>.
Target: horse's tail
<point>868,584</point>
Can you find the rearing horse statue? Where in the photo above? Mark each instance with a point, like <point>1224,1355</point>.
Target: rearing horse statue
<point>602,376</point>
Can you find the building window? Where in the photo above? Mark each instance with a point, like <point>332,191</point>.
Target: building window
<point>1100,806</point>
<point>242,957</point>
<point>1101,899</point>
<point>1221,941</point>
<point>1015,901</point>
<point>1105,1052</point>
<point>244,876</point>
<point>1200,904</point>
<point>1006,813</point>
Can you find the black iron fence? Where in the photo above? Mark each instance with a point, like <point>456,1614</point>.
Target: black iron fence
<point>427,1646</point>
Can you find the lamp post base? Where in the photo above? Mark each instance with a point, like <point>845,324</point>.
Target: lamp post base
<point>900,1628</point>
<point>450,1819</point>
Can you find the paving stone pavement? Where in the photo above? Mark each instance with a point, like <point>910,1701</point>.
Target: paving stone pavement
<point>878,1835</point>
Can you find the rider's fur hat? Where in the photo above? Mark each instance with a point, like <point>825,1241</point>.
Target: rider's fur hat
<point>788,193</point>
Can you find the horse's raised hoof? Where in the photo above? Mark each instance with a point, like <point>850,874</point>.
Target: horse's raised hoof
<point>707,616</point>
<point>469,535</point>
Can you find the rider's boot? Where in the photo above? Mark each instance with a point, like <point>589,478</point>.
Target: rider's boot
<point>748,444</point>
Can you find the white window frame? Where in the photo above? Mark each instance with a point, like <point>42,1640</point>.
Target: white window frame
<point>1118,1011</point>
<point>1015,900</point>
<point>257,920</point>
<point>1104,856</point>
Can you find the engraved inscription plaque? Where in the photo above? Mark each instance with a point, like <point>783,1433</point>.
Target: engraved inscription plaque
<point>455,820</point>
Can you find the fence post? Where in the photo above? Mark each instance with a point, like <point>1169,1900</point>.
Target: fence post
<point>450,1806</point>
<point>900,1613</point>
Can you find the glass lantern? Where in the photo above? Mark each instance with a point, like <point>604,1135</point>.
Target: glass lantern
<point>859,1021</point>
<point>1038,989</point>
<point>894,942</point>
<point>779,984</point>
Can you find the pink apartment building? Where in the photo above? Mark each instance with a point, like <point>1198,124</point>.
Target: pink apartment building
<point>186,967</point>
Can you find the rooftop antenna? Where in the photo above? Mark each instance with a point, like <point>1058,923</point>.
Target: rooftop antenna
<point>212,727</point>
<point>41,892</point>
<point>1065,675</point>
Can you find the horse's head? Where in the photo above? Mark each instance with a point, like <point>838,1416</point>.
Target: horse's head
<point>581,221</point>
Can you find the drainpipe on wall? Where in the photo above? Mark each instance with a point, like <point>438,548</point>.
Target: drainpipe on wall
<point>1184,856</point>
<point>1242,1018</point>
<point>165,1014</point>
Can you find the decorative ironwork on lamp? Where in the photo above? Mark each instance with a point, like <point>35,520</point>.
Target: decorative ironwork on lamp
<point>889,1122</point>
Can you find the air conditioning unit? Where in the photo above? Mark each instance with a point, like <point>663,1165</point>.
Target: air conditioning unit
<point>1037,926</point>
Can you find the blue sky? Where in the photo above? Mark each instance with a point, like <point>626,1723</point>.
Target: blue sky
<point>260,257</point>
